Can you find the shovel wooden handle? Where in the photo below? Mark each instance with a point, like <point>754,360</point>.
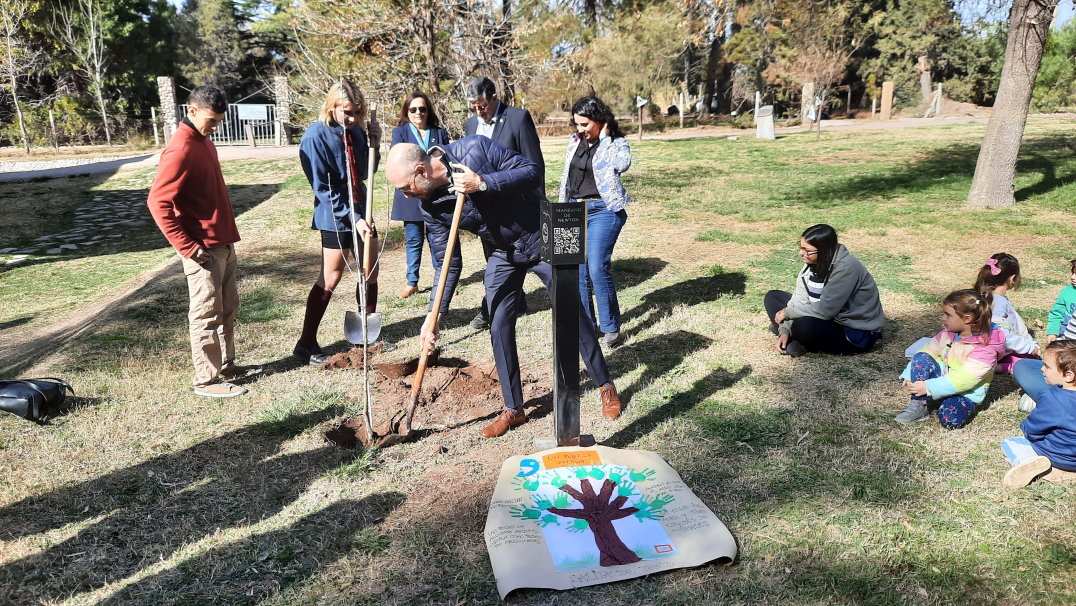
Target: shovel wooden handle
<point>453,233</point>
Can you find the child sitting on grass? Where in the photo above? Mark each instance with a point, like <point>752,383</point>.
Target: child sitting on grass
<point>955,368</point>
<point>1000,275</point>
<point>1050,430</point>
<point>1061,324</point>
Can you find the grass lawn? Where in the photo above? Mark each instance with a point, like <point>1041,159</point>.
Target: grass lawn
<point>146,494</point>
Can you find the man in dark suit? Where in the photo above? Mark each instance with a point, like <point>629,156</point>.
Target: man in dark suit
<point>504,194</point>
<point>513,128</point>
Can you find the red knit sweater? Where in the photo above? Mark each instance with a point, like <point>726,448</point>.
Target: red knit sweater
<point>189,200</point>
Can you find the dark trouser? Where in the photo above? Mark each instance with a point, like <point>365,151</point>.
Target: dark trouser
<point>822,336</point>
<point>483,310</point>
<point>504,282</point>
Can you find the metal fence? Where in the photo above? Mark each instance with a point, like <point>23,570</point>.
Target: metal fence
<point>233,130</point>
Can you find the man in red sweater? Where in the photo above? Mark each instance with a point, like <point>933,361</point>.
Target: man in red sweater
<point>190,203</point>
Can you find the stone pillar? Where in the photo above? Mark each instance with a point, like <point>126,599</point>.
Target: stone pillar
<point>887,100</point>
<point>166,88</point>
<point>282,94</point>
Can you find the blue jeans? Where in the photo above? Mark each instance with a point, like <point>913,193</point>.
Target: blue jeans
<point>414,232</point>
<point>1028,375</point>
<point>954,411</point>
<point>595,276</point>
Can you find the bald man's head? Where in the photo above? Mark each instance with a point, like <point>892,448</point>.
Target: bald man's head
<point>410,169</point>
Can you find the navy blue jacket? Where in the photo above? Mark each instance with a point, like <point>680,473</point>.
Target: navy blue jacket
<point>324,160</point>
<point>514,129</point>
<point>1051,427</point>
<point>506,215</point>
<point>404,208</point>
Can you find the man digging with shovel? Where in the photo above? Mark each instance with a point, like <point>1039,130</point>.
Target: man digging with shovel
<point>504,192</point>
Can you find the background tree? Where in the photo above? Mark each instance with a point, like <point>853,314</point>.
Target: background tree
<point>994,183</point>
<point>18,57</point>
<point>82,31</point>
<point>212,43</point>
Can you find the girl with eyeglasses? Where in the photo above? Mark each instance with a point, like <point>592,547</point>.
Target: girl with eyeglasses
<point>835,308</point>
<point>419,125</point>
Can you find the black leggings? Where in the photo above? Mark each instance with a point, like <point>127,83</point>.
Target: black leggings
<point>822,336</point>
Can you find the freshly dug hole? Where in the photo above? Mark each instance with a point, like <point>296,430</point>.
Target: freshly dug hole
<point>452,397</point>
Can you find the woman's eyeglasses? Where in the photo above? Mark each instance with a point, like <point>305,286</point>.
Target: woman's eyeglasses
<point>808,253</point>
<point>418,110</point>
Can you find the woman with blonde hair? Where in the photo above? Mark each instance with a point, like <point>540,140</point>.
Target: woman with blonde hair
<point>333,150</point>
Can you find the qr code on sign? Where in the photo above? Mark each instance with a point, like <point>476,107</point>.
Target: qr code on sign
<point>565,240</point>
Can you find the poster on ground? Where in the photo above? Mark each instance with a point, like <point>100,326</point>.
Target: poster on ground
<point>573,517</point>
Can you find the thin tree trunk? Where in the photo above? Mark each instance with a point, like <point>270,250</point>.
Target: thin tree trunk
<point>18,110</point>
<point>9,28</point>
<point>995,172</point>
<point>429,32</point>
<point>590,9</point>
<point>712,64</point>
<point>97,49</point>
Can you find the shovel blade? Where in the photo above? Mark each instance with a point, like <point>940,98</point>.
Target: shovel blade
<point>353,328</point>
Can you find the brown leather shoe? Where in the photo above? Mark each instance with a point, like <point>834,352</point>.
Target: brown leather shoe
<point>407,292</point>
<point>610,402</point>
<point>504,421</point>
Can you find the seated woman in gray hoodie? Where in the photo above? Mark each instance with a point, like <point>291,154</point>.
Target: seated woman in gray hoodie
<point>835,308</point>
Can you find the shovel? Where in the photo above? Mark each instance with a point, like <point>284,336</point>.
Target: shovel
<point>404,431</point>
<point>359,330</point>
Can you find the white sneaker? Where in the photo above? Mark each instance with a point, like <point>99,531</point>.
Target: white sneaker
<point>916,412</point>
<point>220,390</point>
<point>1027,404</point>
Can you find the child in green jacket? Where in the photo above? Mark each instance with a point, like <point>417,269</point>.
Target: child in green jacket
<point>1061,324</point>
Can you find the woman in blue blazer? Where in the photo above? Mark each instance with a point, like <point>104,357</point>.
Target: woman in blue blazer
<point>419,125</point>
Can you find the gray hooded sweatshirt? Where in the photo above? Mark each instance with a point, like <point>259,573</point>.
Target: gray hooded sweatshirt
<point>849,297</point>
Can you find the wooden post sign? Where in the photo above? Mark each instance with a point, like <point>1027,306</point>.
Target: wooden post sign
<point>564,240</point>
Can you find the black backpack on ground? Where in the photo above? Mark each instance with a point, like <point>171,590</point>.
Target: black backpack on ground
<point>33,399</point>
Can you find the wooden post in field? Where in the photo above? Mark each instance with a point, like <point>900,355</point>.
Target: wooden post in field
<point>682,109</point>
<point>55,140</point>
<point>874,106</point>
<point>887,100</point>
<point>153,119</point>
<point>758,102</point>
<point>848,105</point>
<point>250,136</point>
<point>640,123</point>
<point>938,109</point>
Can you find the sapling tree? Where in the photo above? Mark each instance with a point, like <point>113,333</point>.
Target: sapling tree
<point>18,57</point>
<point>82,30</point>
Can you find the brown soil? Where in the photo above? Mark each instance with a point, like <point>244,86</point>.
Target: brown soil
<point>455,393</point>
<point>352,358</point>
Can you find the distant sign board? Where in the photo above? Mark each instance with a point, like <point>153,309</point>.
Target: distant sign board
<point>252,112</point>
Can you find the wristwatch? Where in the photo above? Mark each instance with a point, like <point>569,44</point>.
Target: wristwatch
<point>482,184</point>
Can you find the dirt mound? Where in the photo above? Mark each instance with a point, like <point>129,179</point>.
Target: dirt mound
<point>351,358</point>
<point>455,393</point>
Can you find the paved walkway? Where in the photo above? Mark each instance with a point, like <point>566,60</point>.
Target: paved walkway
<point>146,161</point>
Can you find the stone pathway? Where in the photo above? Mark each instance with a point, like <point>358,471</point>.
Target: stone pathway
<point>14,167</point>
<point>110,216</point>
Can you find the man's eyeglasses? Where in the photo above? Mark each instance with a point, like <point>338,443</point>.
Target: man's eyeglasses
<point>479,108</point>
<point>808,253</point>
<point>409,188</point>
<point>418,110</point>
